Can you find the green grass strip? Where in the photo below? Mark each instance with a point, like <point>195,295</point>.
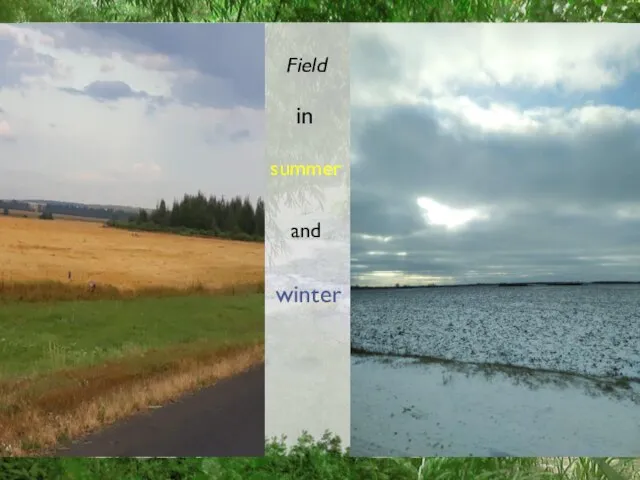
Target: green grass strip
<point>322,459</point>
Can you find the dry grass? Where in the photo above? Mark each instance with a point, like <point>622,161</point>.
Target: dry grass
<point>202,339</point>
<point>48,291</point>
<point>34,250</point>
<point>75,402</point>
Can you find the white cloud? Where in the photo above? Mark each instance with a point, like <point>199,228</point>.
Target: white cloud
<point>631,212</point>
<point>376,238</point>
<point>508,118</point>
<point>576,57</point>
<point>436,213</point>
<point>437,68</point>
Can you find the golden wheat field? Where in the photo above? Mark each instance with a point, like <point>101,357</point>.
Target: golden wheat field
<point>32,250</point>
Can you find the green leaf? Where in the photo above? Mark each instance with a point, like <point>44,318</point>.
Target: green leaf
<point>608,470</point>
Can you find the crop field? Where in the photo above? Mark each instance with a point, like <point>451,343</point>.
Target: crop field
<point>33,250</point>
<point>169,315</point>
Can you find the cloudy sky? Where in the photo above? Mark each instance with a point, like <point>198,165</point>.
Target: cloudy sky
<point>485,153</point>
<point>126,114</point>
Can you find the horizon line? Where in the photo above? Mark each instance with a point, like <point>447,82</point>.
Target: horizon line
<point>497,284</point>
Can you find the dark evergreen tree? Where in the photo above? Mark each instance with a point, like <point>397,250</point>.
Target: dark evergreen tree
<point>259,214</point>
<point>160,216</point>
<point>247,218</point>
<point>143,216</point>
<point>235,218</point>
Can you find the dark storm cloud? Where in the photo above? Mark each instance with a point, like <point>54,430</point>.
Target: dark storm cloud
<point>552,200</point>
<point>108,91</point>
<point>519,244</point>
<point>406,148</point>
<point>381,63</point>
<point>374,214</point>
<point>229,57</point>
<point>560,236</point>
<point>240,135</point>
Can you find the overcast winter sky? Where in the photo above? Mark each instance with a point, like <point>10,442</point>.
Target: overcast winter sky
<point>488,152</point>
<point>128,113</point>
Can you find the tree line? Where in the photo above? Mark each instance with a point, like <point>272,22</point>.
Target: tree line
<point>7,205</point>
<point>76,210</point>
<point>236,218</point>
<point>63,208</point>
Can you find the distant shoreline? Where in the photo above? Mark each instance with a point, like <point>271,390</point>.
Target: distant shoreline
<point>502,284</point>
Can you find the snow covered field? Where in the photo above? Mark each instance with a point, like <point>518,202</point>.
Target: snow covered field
<point>496,371</point>
<point>583,329</point>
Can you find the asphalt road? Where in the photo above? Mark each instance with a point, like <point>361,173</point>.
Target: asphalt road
<point>226,419</point>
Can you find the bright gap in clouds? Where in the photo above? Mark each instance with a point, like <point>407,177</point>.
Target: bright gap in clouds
<point>381,278</point>
<point>436,213</point>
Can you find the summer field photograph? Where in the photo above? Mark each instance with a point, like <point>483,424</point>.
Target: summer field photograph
<point>131,240</point>
<point>495,249</point>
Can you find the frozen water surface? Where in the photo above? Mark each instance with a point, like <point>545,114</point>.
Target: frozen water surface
<point>526,371</point>
<point>404,407</point>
